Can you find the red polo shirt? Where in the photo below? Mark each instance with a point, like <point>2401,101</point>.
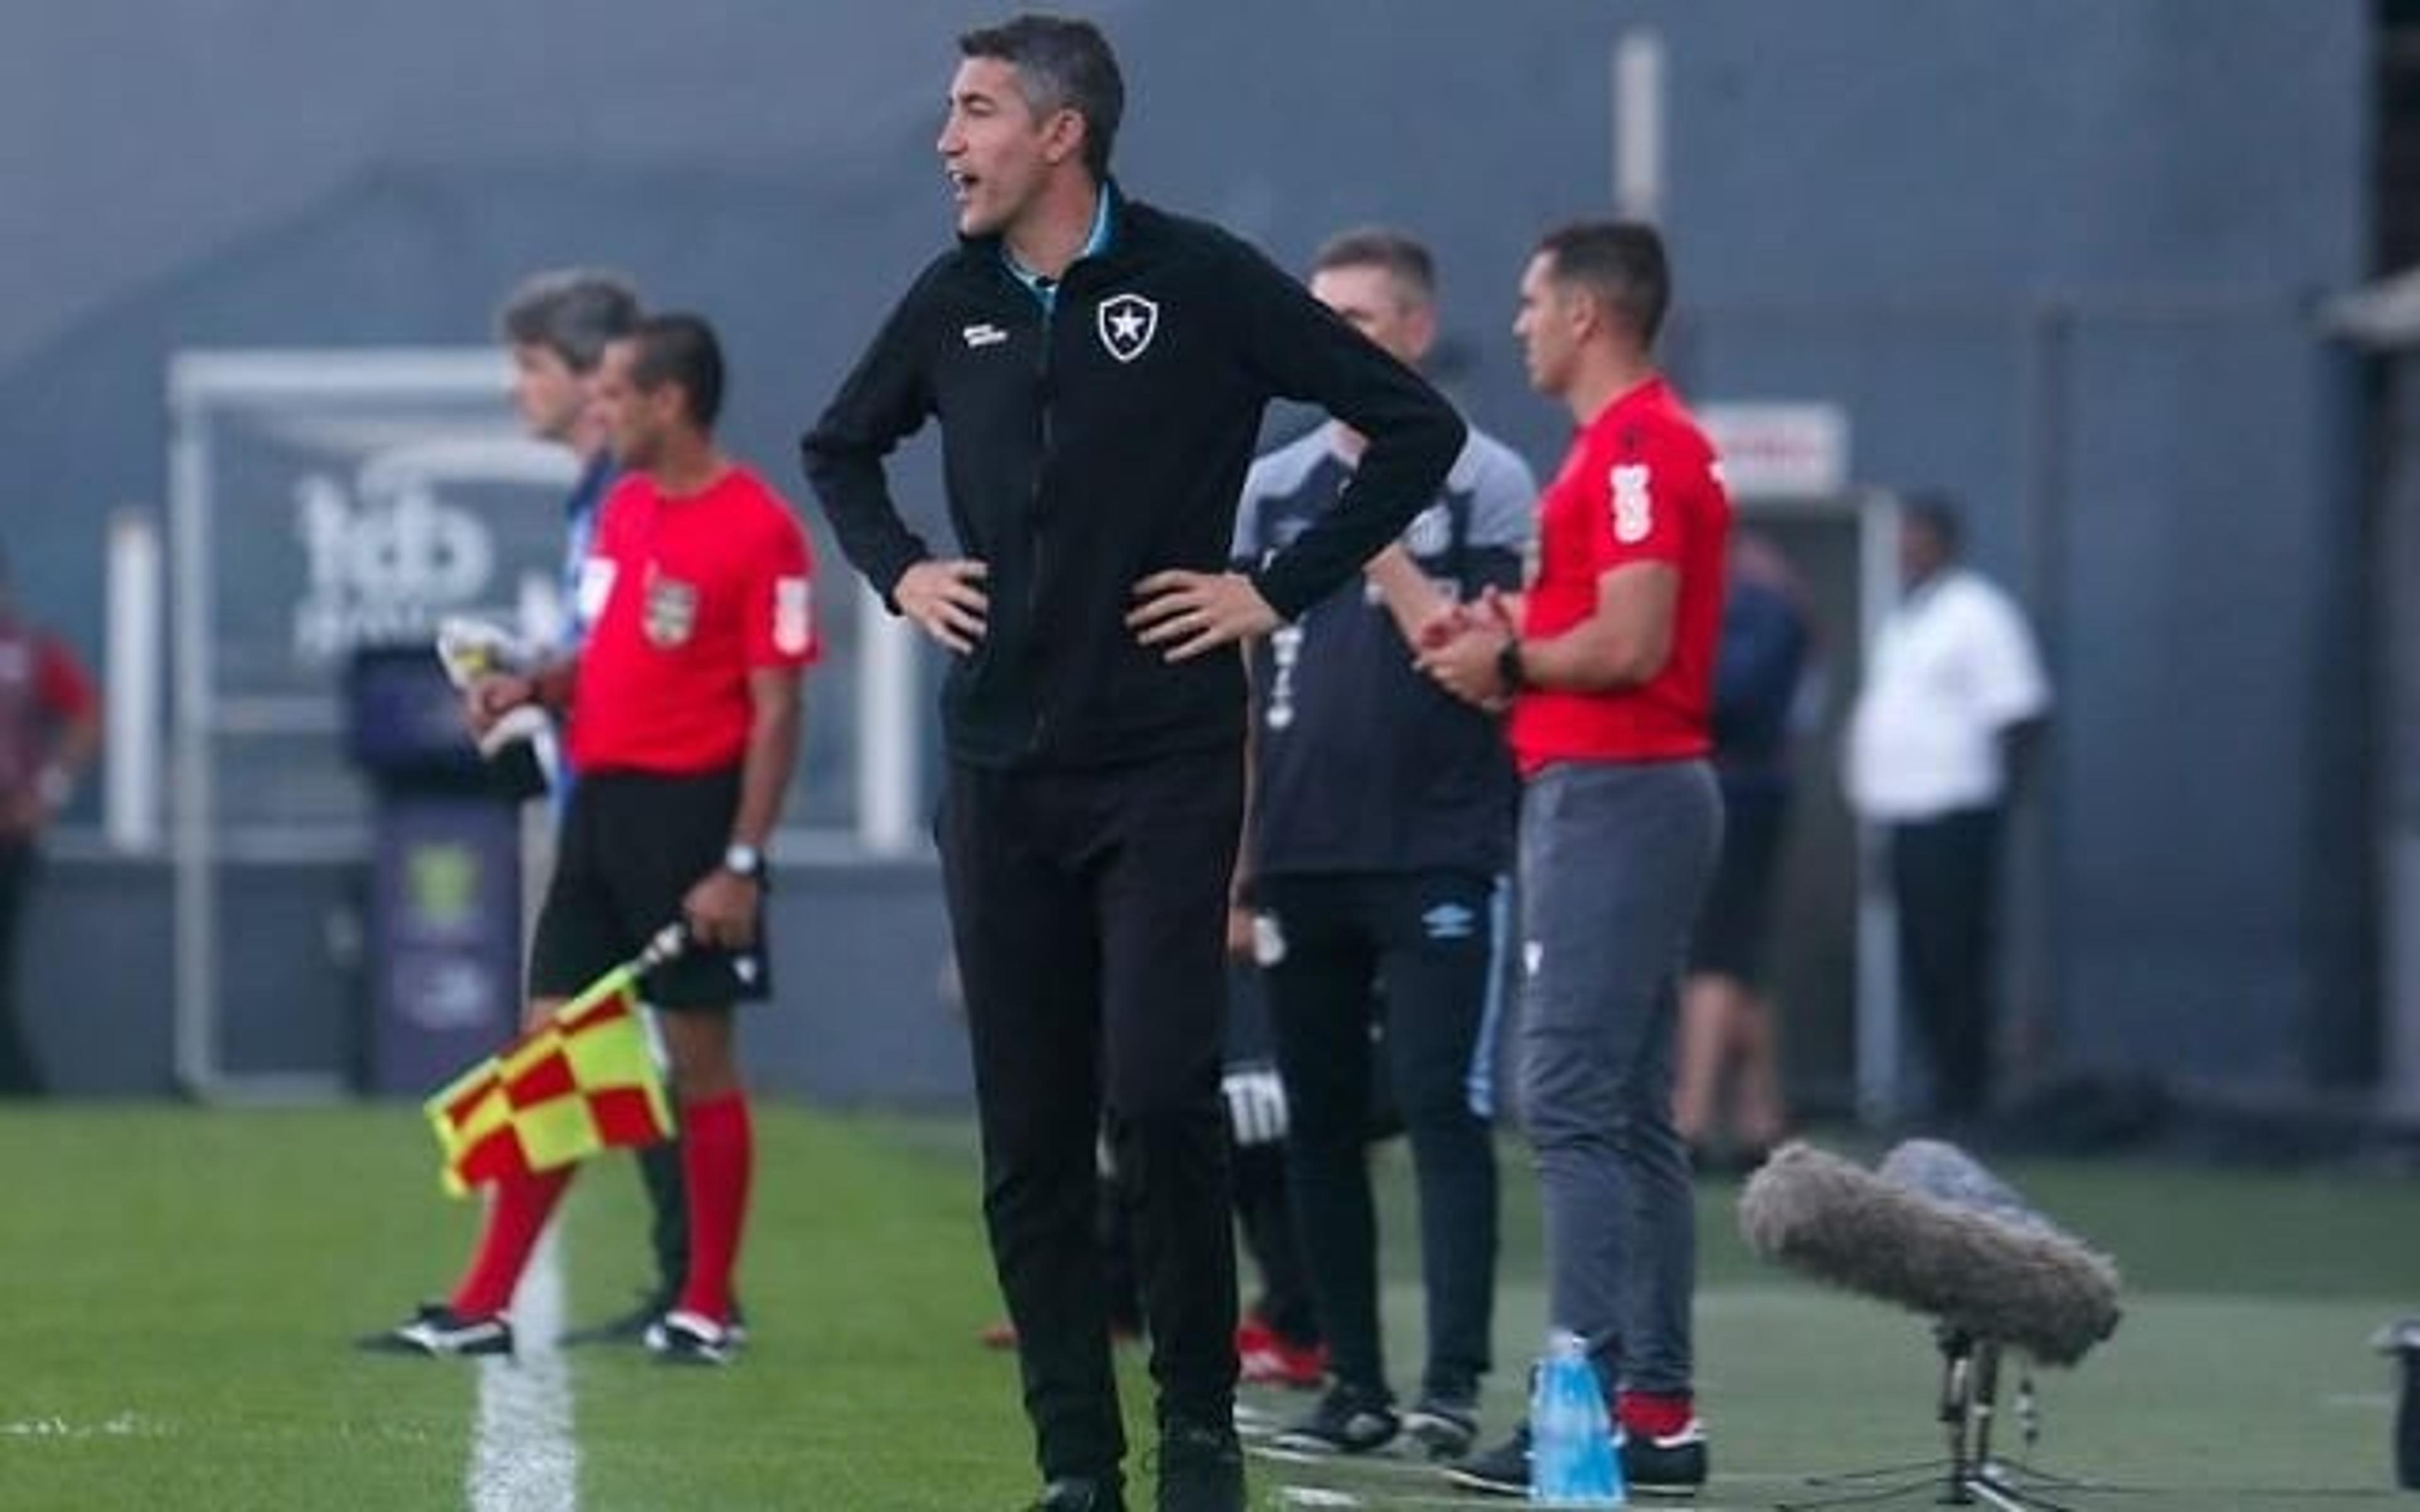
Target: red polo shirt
<point>1641,485</point>
<point>685,597</point>
<point>42,686</point>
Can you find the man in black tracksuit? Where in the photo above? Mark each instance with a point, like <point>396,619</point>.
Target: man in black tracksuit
<point>1099,369</point>
<point>1382,818</point>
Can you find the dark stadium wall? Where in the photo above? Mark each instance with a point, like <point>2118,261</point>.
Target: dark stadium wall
<point>2055,257</point>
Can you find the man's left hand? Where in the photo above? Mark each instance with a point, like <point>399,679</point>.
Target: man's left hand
<point>1191,612</point>
<point>1239,932</point>
<point>721,910</point>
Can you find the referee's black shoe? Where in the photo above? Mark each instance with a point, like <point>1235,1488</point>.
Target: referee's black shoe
<point>1200,1467</point>
<point>633,1326</point>
<point>438,1329</point>
<point>682,1337</point>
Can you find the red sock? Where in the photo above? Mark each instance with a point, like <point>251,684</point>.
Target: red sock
<point>1656,1414</point>
<point>717,1154</point>
<point>515,1220</point>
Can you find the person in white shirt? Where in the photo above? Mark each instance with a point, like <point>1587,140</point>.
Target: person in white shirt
<point>1954,698</point>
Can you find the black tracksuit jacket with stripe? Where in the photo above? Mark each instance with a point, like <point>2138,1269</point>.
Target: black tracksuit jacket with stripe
<point>1086,448</point>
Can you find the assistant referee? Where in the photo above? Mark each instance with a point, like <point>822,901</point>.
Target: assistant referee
<point>684,713</point>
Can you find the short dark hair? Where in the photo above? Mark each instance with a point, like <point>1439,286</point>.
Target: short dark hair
<point>1061,63</point>
<point>572,312</point>
<point>680,349</point>
<point>1398,253</point>
<point>1936,511</point>
<point>1621,263</point>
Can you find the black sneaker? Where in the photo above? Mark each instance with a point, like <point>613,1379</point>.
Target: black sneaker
<point>1666,1464</point>
<point>691,1338</point>
<point>1349,1420</point>
<point>1444,1423</point>
<point>1201,1468</point>
<point>438,1330</point>
<point>1503,1471</point>
<point>1082,1494</point>
<point>633,1327</point>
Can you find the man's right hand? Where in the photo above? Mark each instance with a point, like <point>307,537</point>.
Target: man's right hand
<point>1490,609</point>
<point>1441,627</point>
<point>491,697</point>
<point>947,599</point>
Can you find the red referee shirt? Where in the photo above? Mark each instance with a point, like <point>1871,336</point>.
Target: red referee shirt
<point>1641,485</point>
<point>684,597</point>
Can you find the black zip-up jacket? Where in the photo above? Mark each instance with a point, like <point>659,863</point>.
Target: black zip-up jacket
<point>1084,451</point>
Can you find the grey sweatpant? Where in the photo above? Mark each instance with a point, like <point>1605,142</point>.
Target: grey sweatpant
<point>1615,858</point>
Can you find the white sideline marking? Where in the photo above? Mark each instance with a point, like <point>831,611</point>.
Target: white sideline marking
<point>123,1426</point>
<point>524,1457</point>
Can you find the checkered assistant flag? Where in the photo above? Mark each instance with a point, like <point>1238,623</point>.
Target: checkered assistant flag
<point>580,1081</point>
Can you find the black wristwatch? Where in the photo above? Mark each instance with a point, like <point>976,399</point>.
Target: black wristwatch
<point>743,860</point>
<point>1509,669</point>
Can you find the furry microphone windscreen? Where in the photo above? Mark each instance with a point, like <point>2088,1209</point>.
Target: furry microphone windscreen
<point>2023,1284</point>
<point>1948,1174</point>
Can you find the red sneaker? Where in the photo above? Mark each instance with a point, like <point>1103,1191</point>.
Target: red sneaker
<point>1253,1335</point>
<point>1266,1358</point>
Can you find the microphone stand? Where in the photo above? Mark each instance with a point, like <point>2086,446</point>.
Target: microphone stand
<point>1968,1474</point>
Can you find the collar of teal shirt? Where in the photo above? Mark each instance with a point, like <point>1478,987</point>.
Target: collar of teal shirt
<point>1046,290</point>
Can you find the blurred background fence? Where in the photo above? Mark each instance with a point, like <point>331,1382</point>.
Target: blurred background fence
<point>2066,262</point>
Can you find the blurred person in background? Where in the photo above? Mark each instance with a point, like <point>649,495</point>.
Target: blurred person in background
<point>1607,662</point>
<point>555,327</point>
<point>50,731</point>
<point>1730,1081</point>
<point>1954,703</point>
<point>1381,827</point>
<point>685,707</point>
<point>1099,368</point>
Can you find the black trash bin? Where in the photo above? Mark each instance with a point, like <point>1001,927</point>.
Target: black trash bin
<point>443,946</point>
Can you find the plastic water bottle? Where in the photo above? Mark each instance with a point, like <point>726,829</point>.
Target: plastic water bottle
<point>1572,1458</point>
<point>2401,1341</point>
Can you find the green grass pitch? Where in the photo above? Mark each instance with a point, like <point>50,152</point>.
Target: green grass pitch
<point>178,1287</point>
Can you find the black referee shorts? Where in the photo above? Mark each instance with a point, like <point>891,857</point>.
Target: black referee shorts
<point>633,844</point>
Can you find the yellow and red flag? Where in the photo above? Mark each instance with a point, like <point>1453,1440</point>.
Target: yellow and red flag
<point>581,1080</point>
